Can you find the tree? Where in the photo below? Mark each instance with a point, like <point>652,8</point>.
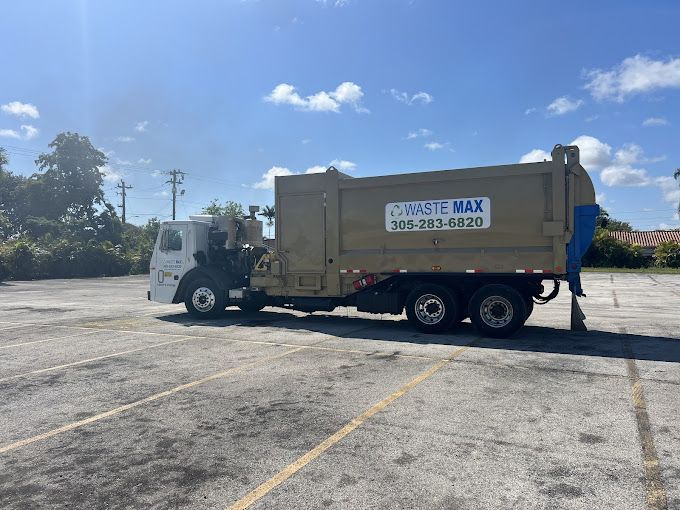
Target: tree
<point>605,221</point>
<point>8,201</point>
<point>606,251</point>
<point>3,158</point>
<point>667,254</point>
<point>269,212</point>
<point>229,208</point>
<point>72,178</point>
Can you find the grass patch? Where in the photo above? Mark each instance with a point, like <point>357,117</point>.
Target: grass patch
<point>650,270</point>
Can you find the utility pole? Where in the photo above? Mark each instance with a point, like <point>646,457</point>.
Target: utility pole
<point>175,180</point>
<point>123,187</point>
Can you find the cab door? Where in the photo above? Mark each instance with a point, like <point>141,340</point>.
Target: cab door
<point>169,261</point>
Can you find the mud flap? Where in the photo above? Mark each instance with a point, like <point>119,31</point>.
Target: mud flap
<point>577,316</point>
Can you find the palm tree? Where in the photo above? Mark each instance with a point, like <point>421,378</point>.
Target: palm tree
<point>269,212</point>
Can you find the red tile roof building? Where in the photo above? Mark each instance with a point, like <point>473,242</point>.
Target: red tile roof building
<point>648,239</point>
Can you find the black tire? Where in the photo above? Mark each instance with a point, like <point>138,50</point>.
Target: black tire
<point>497,311</point>
<point>204,299</point>
<point>530,306</point>
<point>431,308</point>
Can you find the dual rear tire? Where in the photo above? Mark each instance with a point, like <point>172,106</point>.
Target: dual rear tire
<point>495,310</point>
<point>432,308</point>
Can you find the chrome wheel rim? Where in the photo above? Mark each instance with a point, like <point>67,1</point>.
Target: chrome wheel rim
<point>429,309</point>
<point>496,311</point>
<point>203,299</point>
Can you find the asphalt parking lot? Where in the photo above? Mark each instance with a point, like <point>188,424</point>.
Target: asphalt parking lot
<point>109,401</point>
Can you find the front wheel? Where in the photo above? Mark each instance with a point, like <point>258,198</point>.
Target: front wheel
<point>204,299</point>
<point>497,311</point>
<point>431,308</point>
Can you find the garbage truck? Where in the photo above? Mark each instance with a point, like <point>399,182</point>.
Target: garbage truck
<point>484,243</point>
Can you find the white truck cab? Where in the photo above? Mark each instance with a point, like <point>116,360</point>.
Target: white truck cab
<point>174,256</point>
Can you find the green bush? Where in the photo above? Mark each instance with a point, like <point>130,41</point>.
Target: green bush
<point>27,260</point>
<point>605,251</point>
<point>667,254</point>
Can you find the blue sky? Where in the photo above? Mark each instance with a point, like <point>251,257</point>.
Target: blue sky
<point>234,92</point>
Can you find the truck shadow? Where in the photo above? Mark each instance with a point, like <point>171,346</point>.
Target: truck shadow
<point>537,339</point>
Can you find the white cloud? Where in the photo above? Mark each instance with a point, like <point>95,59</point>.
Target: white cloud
<point>123,162</point>
<point>629,154</point>
<point>422,97</point>
<point>563,105</point>
<point>434,146</point>
<point>347,93</point>
<point>419,97</point>
<point>343,165</point>
<point>594,154</point>
<point>529,111</point>
<point>27,132</point>
<point>157,173</point>
<point>317,169</point>
<point>670,190</point>
<point>20,109</point>
<point>655,121</point>
<point>124,139</point>
<point>140,127</point>
<point>110,174</point>
<point>336,3</point>
<point>622,171</point>
<point>419,133</point>
<point>267,181</point>
<point>305,141</point>
<point>635,75</point>
<point>144,161</point>
<point>535,156</point>
<point>624,175</point>
<point>600,198</point>
<point>10,133</point>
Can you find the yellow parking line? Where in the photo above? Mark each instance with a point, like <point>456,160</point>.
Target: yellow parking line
<point>89,360</point>
<point>137,403</point>
<point>46,340</point>
<point>655,493</point>
<point>308,457</point>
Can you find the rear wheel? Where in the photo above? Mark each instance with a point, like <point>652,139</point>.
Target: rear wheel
<point>204,299</point>
<point>431,308</point>
<point>497,310</point>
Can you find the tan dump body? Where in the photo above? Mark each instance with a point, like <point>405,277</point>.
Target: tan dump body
<point>331,226</point>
